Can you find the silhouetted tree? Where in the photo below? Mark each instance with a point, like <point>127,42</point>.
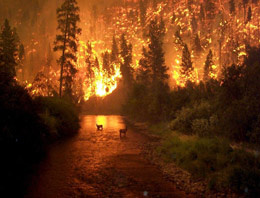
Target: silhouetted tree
<point>8,51</point>
<point>67,42</point>
<point>186,64</point>
<point>125,66</point>
<point>156,53</point>
<point>197,46</point>
<point>144,71</point>
<point>115,51</point>
<point>208,66</point>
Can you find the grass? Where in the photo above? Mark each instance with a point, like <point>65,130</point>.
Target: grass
<point>212,159</point>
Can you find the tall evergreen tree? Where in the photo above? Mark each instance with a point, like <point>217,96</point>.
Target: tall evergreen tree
<point>125,65</point>
<point>8,51</point>
<point>107,66</point>
<point>115,51</point>
<point>156,53</point>
<point>186,64</point>
<point>67,42</point>
<point>197,45</point>
<point>144,71</point>
<point>208,66</point>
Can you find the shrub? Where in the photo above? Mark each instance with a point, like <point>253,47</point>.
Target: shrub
<point>215,161</point>
<point>201,127</point>
<point>187,115</point>
<point>65,114</point>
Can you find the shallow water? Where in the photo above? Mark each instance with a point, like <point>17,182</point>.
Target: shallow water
<point>99,164</point>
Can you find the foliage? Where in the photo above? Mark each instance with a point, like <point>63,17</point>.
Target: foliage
<point>208,67</point>
<point>188,118</point>
<point>59,115</point>
<point>66,42</point>
<point>215,161</point>
<point>8,50</point>
<point>125,66</point>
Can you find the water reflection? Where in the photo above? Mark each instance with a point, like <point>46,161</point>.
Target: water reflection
<point>97,164</point>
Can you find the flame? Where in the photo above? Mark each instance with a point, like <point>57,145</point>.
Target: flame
<point>231,32</point>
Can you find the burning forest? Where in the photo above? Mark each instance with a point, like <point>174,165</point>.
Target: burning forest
<point>186,71</point>
<point>224,27</point>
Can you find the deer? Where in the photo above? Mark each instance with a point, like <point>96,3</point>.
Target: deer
<point>99,127</point>
<point>123,131</point>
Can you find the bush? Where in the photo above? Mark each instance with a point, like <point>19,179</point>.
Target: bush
<point>60,116</point>
<point>187,115</point>
<point>215,161</point>
<point>201,127</point>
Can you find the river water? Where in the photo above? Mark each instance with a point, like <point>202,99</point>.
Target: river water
<point>99,164</point>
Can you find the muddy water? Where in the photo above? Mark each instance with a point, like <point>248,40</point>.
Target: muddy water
<point>100,164</point>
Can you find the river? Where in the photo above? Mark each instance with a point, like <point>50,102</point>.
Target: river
<point>99,164</point>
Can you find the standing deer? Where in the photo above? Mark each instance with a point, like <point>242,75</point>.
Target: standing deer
<point>123,131</point>
<point>99,127</point>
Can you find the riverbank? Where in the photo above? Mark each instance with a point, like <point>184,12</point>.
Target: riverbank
<point>171,159</point>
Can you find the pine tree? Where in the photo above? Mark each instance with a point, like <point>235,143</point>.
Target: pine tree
<point>114,52</point>
<point>144,71</point>
<point>125,65</point>
<point>106,63</point>
<point>66,42</point>
<point>197,46</point>
<point>232,7</point>
<point>156,53</point>
<point>186,64</point>
<point>8,51</point>
<point>208,66</point>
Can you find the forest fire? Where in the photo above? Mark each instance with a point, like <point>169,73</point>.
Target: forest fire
<point>172,68</point>
<point>181,27</point>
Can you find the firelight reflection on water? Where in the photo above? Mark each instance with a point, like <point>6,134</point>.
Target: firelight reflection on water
<point>99,164</point>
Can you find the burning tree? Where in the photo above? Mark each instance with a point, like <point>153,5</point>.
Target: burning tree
<point>67,43</point>
<point>187,68</point>
<point>209,67</point>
